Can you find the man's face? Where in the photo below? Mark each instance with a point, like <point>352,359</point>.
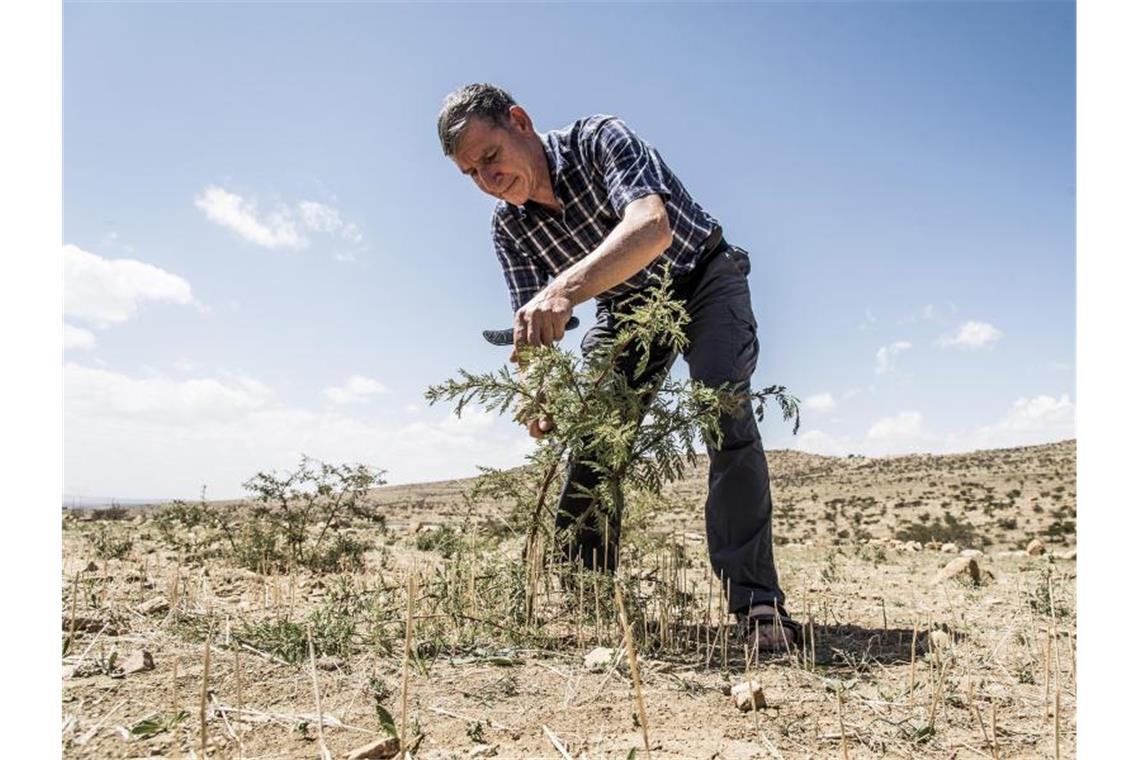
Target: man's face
<point>500,159</point>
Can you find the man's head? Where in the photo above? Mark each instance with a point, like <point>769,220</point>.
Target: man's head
<point>492,140</point>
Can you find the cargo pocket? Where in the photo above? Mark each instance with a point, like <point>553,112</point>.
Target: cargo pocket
<point>749,351</point>
<point>739,259</point>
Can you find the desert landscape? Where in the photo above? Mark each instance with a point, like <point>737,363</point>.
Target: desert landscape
<point>936,593</point>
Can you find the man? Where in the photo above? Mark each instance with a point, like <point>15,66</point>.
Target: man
<point>592,211</point>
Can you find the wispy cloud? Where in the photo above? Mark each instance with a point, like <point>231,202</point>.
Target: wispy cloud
<point>971,336</point>
<point>885,356</point>
<point>100,393</point>
<point>321,218</point>
<point>77,338</point>
<point>110,291</point>
<point>282,227</point>
<point>1029,420</point>
<point>938,314</point>
<point>355,390</point>
<point>820,442</point>
<point>275,229</point>
<point>820,402</point>
<point>899,429</point>
<point>220,430</point>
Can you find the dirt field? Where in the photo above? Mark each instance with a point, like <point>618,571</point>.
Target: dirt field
<point>899,663</point>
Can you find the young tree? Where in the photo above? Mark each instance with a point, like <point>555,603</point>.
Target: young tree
<point>635,435</point>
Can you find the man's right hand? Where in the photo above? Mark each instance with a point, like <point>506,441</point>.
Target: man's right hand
<point>540,427</point>
<point>537,426</point>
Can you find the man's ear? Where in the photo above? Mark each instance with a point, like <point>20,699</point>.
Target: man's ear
<point>521,119</point>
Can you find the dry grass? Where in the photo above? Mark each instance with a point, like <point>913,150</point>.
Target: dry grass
<point>893,667</point>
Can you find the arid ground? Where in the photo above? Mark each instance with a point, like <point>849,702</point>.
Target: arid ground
<point>901,661</point>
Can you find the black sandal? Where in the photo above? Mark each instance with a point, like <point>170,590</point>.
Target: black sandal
<point>793,632</point>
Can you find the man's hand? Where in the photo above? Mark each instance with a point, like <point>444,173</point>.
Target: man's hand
<point>529,414</point>
<point>540,427</point>
<point>542,320</point>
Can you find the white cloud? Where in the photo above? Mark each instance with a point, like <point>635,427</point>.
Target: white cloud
<point>819,442</point>
<point>154,436</point>
<point>820,402</point>
<point>110,291</point>
<point>77,338</point>
<point>99,393</point>
<point>885,356</point>
<point>322,218</point>
<point>971,335</point>
<point>355,390</point>
<point>281,228</point>
<point>276,229</point>
<point>903,427</point>
<point>1039,419</point>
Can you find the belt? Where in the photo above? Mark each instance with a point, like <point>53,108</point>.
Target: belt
<point>684,285</point>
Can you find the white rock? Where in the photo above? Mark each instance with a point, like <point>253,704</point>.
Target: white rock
<point>380,749</point>
<point>971,553</point>
<point>599,659</point>
<point>939,639</point>
<point>1071,554</point>
<point>747,693</point>
<point>138,661</point>
<point>153,606</point>
<point>1035,548</point>
<point>966,568</point>
<point>949,548</point>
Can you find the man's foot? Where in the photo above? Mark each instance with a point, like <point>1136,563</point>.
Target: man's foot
<point>769,630</point>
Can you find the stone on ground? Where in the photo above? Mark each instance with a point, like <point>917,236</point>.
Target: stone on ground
<point>153,606</point>
<point>965,568</point>
<point>745,693</point>
<point>138,661</point>
<point>1035,548</point>
<point>939,639</point>
<point>599,659</point>
<point>381,749</point>
<point>949,548</point>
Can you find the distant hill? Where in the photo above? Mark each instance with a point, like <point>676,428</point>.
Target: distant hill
<point>999,497</point>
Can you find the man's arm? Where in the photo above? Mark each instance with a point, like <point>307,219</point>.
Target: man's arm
<point>641,236</point>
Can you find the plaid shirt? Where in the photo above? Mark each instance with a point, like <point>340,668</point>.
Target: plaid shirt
<point>598,166</point>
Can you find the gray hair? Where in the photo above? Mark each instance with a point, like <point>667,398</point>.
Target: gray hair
<point>483,100</point>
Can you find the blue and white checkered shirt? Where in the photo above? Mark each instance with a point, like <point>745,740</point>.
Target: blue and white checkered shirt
<point>598,166</point>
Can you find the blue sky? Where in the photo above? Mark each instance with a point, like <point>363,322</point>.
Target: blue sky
<point>266,253</point>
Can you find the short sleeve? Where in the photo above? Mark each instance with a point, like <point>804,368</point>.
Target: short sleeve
<point>631,167</point>
<point>523,275</point>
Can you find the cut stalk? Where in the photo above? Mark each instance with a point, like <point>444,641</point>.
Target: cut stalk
<point>205,690</point>
<point>407,657</point>
<point>317,697</point>
<point>632,655</point>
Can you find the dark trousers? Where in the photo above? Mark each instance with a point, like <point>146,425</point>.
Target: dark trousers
<point>722,348</point>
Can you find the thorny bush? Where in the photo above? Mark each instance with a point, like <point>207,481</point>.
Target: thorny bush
<point>637,436</point>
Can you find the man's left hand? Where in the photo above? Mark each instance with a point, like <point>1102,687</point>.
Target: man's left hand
<point>542,320</point>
